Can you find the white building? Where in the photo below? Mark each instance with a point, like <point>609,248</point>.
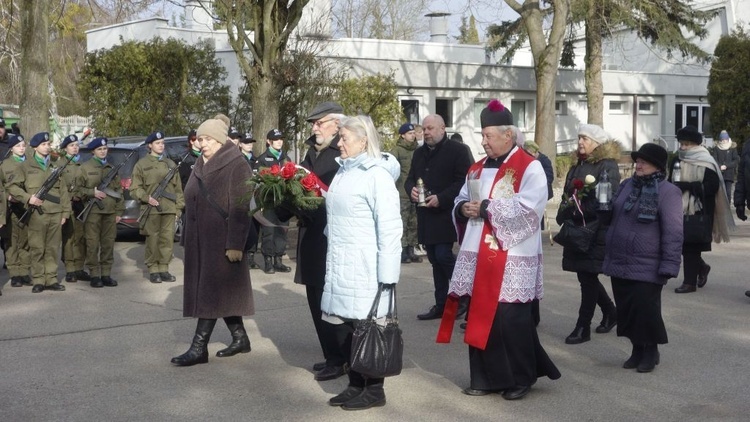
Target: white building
<point>647,96</point>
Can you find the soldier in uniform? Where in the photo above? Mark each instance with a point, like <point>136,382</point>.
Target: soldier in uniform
<point>158,227</point>
<point>16,238</point>
<point>246,148</point>
<point>101,223</point>
<point>273,238</point>
<point>187,164</point>
<point>403,151</point>
<point>44,228</point>
<point>72,231</point>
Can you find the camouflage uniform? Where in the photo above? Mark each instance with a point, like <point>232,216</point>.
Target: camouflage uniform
<point>403,153</point>
<point>159,226</point>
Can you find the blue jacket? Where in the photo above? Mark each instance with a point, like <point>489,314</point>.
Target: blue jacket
<point>364,235</point>
<point>648,252</point>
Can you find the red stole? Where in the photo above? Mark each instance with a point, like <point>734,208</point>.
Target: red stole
<point>490,267</point>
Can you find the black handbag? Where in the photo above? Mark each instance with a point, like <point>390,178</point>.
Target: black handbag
<point>377,351</point>
<point>575,237</point>
<point>696,228</point>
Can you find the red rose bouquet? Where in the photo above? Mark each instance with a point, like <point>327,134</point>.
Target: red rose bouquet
<point>290,185</point>
<point>581,189</point>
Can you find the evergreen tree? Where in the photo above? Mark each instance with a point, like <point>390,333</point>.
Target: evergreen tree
<point>730,106</point>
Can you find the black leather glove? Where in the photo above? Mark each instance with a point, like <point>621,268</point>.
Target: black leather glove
<point>741,213</point>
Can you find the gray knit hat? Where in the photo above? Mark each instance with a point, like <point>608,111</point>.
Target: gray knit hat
<point>214,128</point>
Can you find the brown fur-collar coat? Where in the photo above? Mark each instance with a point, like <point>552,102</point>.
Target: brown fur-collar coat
<point>215,287</point>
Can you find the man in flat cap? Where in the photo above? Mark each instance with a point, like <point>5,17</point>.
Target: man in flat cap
<point>101,223</point>
<point>312,244</point>
<point>73,241</point>
<point>403,151</point>
<point>273,243</point>
<point>44,228</point>
<point>148,172</point>
<point>497,215</point>
<point>442,166</point>
<point>17,241</point>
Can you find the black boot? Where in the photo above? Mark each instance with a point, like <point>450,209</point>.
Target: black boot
<point>198,351</point>
<point>240,341</point>
<point>347,395</point>
<point>268,265</point>
<point>372,396</point>
<point>579,335</point>
<point>251,261</point>
<point>608,322</point>
<point>405,257</point>
<point>279,266</point>
<point>650,358</point>
<point>635,357</point>
<point>414,257</point>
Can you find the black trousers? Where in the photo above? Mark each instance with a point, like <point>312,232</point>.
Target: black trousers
<point>327,337</point>
<point>443,260</point>
<point>692,263</point>
<point>513,355</point>
<point>592,293</point>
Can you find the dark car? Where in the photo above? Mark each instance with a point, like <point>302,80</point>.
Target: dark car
<point>176,148</point>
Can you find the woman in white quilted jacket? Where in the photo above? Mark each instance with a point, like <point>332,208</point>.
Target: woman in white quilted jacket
<point>364,246</point>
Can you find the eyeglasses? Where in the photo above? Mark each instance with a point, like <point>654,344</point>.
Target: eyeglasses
<point>320,123</point>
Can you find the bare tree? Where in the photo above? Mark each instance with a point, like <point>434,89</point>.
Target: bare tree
<point>381,19</point>
<point>34,80</point>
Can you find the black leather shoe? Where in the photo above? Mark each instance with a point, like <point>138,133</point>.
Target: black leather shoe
<point>414,257</point>
<point>279,266</point>
<point>650,358</point>
<point>608,323</point>
<point>318,366</point>
<point>433,313</point>
<point>405,258</point>
<point>372,396</point>
<point>747,293</point>
<point>38,288</point>
<point>251,261</point>
<point>83,275</point>
<point>166,277</point>
<point>463,307</point>
<point>109,281</point>
<point>70,277</point>
<point>346,395</point>
<point>96,282</point>
<point>516,393</point>
<point>16,282</point>
<point>56,287</point>
<point>635,357</point>
<point>330,373</point>
<point>462,325</point>
<point>154,278</point>
<point>579,335</point>
<point>685,288</point>
<point>474,392</point>
<point>26,280</point>
<point>703,274</point>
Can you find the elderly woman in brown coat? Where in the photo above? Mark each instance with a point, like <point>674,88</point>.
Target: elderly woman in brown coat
<point>217,283</point>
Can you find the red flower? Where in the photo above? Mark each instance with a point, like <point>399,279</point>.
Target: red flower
<point>264,171</point>
<point>275,170</point>
<point>309,182</point>
<point>288,171</point>
<point>578,184</point>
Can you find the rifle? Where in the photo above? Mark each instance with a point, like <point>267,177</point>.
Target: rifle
<point>43,194</point>
<point>104,187</point>
<point>160,190</point>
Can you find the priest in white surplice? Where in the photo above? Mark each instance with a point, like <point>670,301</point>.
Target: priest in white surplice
<point>497,215</point>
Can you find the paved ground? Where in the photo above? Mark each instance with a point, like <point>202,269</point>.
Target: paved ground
<point>103,355</point>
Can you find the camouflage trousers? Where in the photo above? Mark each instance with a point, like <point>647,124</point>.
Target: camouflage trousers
<point>409,218</point>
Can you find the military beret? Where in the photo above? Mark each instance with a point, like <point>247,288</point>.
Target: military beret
<point>37,139</point>
<point>154,137</point>
<point>14,140</point>
<point>96,143</point>
<point>406,127</point>
<point>72,138</point>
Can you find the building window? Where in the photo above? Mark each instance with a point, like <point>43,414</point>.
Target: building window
<point>444,108</point>
<point>518,108</point>
<point>479,105</point>
<point>617,107</point>
<point>561,108</point>
<point>411,110</point>
<point>648,107</point>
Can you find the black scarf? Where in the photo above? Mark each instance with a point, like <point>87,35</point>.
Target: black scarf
<point>647,188</point>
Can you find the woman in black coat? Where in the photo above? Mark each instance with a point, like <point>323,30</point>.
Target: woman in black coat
<point>596,155</point>
<point>698,176</point>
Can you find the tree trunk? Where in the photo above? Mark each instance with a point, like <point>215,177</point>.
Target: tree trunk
<point>544,133</point>
<point>593,61</point>
<point>264,100</point>
<point>35,101</point>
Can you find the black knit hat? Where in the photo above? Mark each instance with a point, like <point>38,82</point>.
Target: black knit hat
<point>495,114</point>
<point>653,153</point>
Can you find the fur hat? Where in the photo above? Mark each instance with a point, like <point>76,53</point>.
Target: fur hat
<point>593,132</point>
<point>495,114</point>
<point>653,153</point>
<point>215,128</point>
<point>690,134</point>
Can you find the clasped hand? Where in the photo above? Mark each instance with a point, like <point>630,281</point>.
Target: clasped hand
<point>471,209</point>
